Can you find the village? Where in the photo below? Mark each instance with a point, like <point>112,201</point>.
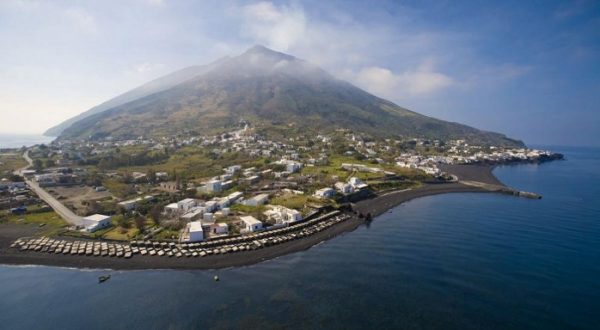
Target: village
<point>189,189</point>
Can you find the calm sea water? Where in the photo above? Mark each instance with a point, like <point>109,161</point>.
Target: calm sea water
<point>458,261</point>
<point>19,140</point>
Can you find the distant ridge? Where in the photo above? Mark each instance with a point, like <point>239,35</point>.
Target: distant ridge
<point>267,88</point>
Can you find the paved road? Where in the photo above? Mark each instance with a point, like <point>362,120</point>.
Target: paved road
<point>57,206</point>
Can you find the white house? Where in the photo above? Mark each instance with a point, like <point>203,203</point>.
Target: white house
<point>208,217</point>
<point>232,169</point>
<point>129,204</point>
<point>194,214</point>
<point>252,179</point>
<point>234,196</point>
<point>357,183</point>
<point>250,224</point>
<point>325,193</point>
<point>186,204</point>
<point>344,188</point>
<point>96,221</point>
<point>196,233</point>
<point>283,215</point>
<point>219,229</point>
<point>171,209</point>
<point>213,186</point>
<point>211,206</point>
<point>256,200</point>
<point>290,165</point>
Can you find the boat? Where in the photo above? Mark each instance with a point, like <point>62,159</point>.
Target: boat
<point>103,278</point>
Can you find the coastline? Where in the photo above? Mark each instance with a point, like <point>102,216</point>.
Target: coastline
<point>374,206</point>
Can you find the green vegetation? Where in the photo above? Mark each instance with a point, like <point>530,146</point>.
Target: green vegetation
<point>118,188</point>
<point>11,162</point>
<point>121,234</point>
<point>295,201</point>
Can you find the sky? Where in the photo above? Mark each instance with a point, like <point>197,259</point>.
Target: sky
<point>529,69</point>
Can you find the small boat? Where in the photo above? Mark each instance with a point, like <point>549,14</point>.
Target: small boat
<point>103,278</point>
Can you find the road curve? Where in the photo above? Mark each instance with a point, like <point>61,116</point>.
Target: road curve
<point>57,206</point>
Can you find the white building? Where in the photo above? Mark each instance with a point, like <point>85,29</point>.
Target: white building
<point>234,196</point>
<point>283,215</point>
<point>233,169</point>
<point>357,183</point>
<point>344,188</point>
<point>257,200</point>
<point>211,206</point>
<point>250,224</point>
<point>194,214</point>
<point>196,233</point>
<point>325,193</point>
<point>219,229</point>
<point>97,221</point>
<point>186,204</point>
<point>213,186</point>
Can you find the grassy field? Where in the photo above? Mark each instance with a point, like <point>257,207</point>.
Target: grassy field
<point>295,201</point>
<point>121,234</point>
<point>194,163</point>
<point>118,189</point>
<point>51,222</point>
<point>11,162</point>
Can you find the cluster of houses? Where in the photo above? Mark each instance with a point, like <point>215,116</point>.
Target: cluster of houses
<point>62,176</point>
<point>353,185</point>
<point>15,195</point>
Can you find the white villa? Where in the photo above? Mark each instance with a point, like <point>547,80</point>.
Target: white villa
<point>250,224</point>
<point>283,215</point>
<point>96,221</point>
<point>325,193</point>
<point>256,200</point>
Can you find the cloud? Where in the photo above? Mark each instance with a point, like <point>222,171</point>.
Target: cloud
<point>275,27</point>
<point>146,67</point>
<point>155,2</point>
<point>422,81</point>
<point>82,18</point>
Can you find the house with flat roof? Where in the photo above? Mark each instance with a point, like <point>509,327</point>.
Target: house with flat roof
<point>283,215</point>
<point>256,200</point>
<point>195,231</point>
<point>96,221</point>
<point>250,224</point>
<point>325,193</point>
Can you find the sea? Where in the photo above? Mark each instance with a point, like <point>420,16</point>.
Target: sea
<point>20,140</point>
<point>454,261</point>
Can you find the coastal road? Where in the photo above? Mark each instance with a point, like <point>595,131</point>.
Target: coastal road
<point>56,205</point>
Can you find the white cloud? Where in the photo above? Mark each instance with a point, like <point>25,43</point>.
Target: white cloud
<point>82,19</point>
<point>148,67</point>
<point>275,27</point>
<point>155,2</point>
<point>383,82</point>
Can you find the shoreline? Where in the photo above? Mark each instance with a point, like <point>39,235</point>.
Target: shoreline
<point>375,206</point>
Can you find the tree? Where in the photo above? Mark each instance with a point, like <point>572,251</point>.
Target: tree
<point>124,221</point>
<point>151,175</point>
<point>37,165</point>
<point>49,163</point>
<point>156,214</point>
<point>140,222</point>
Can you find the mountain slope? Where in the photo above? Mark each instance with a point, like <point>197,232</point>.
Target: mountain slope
<point>268,88</point>
<point>154,86</point>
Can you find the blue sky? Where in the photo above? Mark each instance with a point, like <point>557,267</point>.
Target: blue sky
<point>530,69</point>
